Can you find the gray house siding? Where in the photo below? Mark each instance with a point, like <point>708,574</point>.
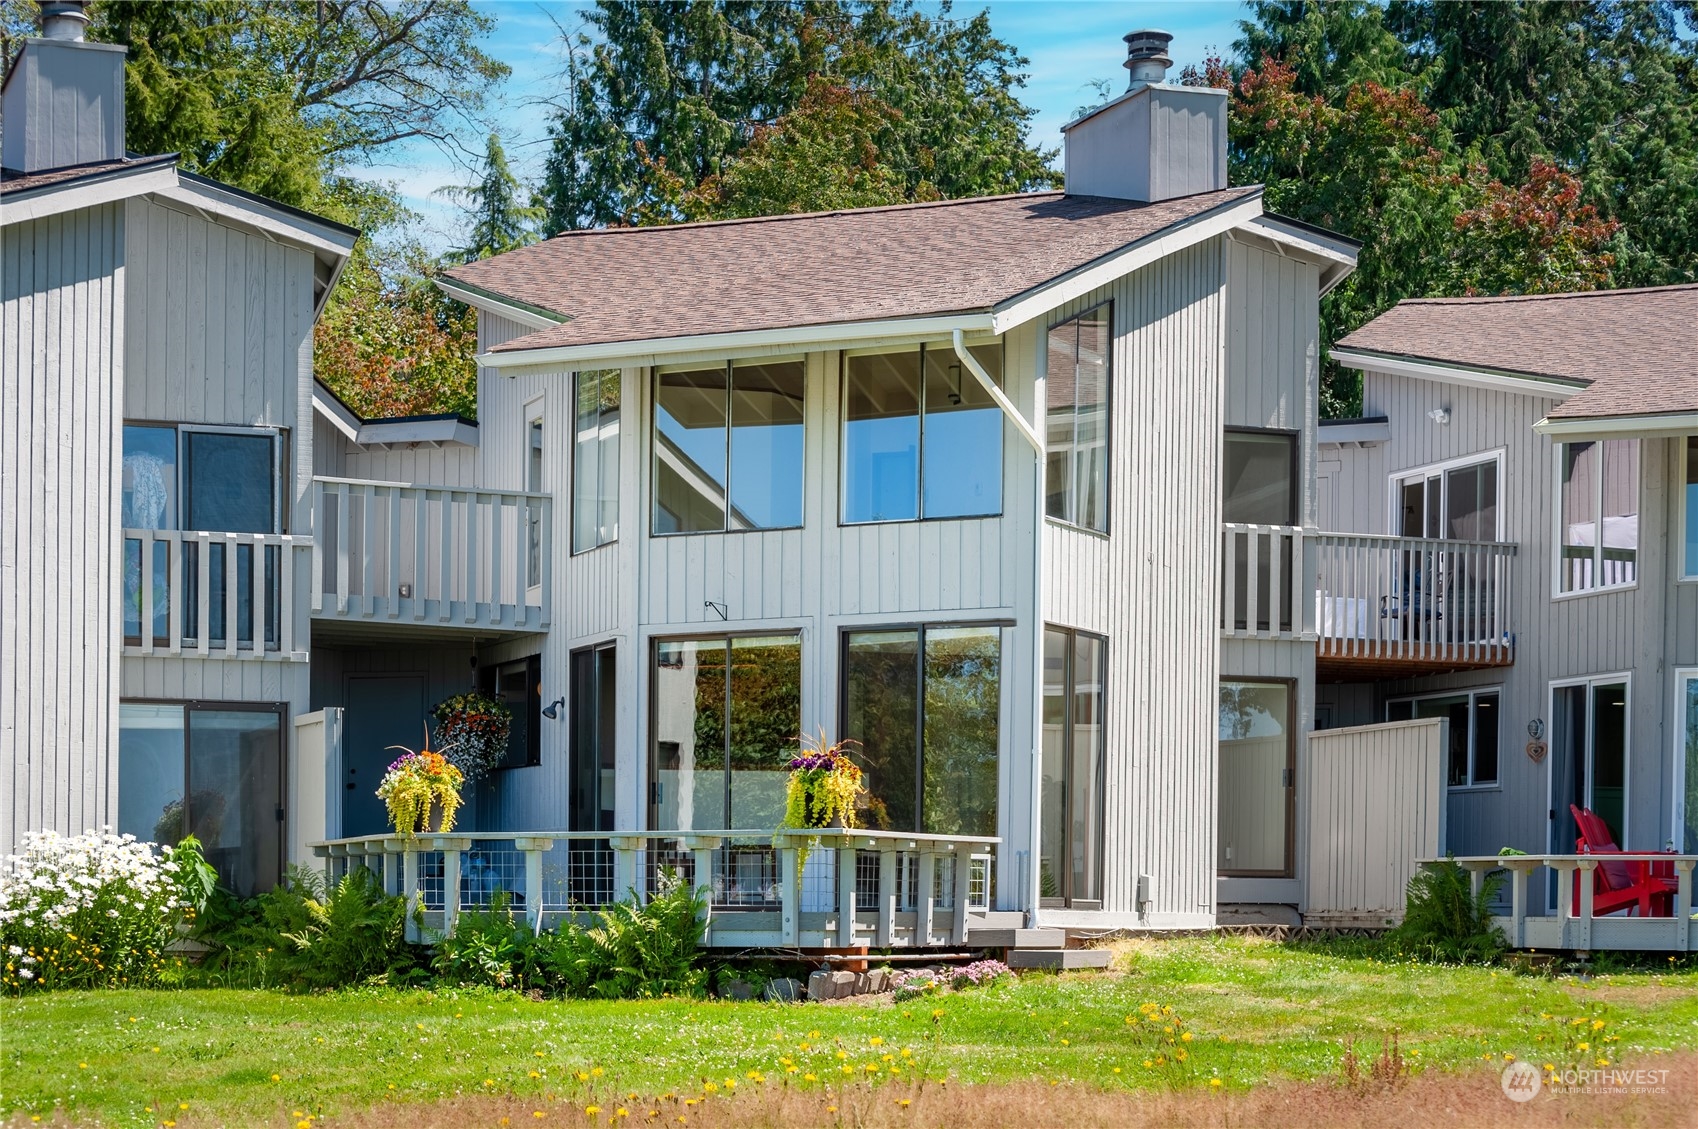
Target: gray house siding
<point>61,363</point>
<point>1628,631</point>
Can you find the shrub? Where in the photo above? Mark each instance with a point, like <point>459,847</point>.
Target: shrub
<point>304,936</point>
<point>636,950</point>
<point>978,973</point>
<point>489,948</point>
<point>1444,921</point>
<point>912,983</point>
<point>95,910</point>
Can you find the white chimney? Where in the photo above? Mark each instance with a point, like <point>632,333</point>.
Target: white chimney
<point>63,102</point>
<point>1157,141</point>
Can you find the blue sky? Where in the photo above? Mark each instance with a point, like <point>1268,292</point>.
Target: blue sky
<point>1070,44</point>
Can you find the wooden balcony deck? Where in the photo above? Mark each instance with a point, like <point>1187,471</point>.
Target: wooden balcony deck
<point>1585,931</point>
<point>860,889</point>
<point>402,559</point>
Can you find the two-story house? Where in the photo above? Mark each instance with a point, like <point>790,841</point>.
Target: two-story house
<point>1548,446</point>
<point>155,471</point>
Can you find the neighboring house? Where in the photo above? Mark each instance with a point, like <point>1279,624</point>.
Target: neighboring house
<point>1017,492</point>
<point>1550,442</point>
<point>155,471</point>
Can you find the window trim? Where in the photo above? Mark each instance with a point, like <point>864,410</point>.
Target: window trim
<point>920,627</point>
<point>1296,437</point>
<point>572,549</point>
<point>1684,676</point>
<point>1472,693</point>
<point>1108,423</point>
<point>1590,681</point>
<point>730,363</point>
<point>1290,868</point>
<point>1687,573</point>
<point>1557,532</point>
<point>280,473</point>
<point>1395,479</point>
<point>1067,900</point>
<point>652,706</point>
<point>843,358</point>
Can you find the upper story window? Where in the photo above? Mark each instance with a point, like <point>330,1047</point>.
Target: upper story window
<point>1690,571</point>
<point>1077,388</point>
<point>1259,478</point>
<point>595,458</point>
<point>1598,515</point>
<point>1449,501</point>
<point>219,480</point>
<point>921,437</point>
<point>728,447</point>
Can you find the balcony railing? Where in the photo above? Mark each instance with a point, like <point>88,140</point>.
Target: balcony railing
<point>1572,886</point>
<point>1263,584</point>
<point>1413,600</point>
<point>216,595</point>
<point>858,888</point>
<point>439,555</point>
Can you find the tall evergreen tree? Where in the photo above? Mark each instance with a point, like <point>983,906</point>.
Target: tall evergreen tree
<point>502,214</point>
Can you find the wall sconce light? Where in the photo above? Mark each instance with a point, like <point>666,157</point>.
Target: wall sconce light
<point>552,710</point>
<point>1439,415</point>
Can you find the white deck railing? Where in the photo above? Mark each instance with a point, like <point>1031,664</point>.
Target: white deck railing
<point>443,555</point>
<point>860,888</point>
<point>1411,598</point>
<point>1263,581</point>
<point>1585,930</point>
<point>215,595</point>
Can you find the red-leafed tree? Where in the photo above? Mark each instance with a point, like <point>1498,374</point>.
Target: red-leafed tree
<point>1533,238</point>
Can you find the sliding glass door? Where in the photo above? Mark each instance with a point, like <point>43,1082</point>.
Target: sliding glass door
<point>1588,756</point>
<point>1686,758</point>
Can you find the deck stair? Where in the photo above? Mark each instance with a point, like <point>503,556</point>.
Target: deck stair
<point>1031,948</point>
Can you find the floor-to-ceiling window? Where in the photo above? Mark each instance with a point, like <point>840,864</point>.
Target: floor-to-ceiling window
<point>1070,829</point>
<point>1080,361</point>
<point>209,769</point>
<point>726,714</point>
<point>924,704</point>
<point>1256,779</point>
<point>1589,755</point>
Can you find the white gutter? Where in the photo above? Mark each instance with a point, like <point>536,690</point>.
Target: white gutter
<point>959,340</point>
<point>1672,425</point>
<point>483,300</point>
<point>51,200</point>
<point>1458,374</point>
<point>658,350</point>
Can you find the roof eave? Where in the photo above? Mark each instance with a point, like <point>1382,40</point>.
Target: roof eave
<point>1648,425</point>
<point>1502,380</point>
<point>534,317</point>
<point>105,187</point>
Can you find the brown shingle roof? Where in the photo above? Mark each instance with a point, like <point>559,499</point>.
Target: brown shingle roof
<point>910,260</point>
<point>12,181</point>
<point>1635,350</point>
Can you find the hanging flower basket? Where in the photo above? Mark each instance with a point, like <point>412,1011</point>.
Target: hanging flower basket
<point>472,729</point>
<point>822,791</point>
<point>422,792</point>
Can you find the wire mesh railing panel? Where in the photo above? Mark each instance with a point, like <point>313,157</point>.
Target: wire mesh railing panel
<point>666,857</point>
<point>819,881</point>
<point>981,882</point>
<point>746,877</point>
<point>943,884</point>
<point>432,880</point>
<point>866,881</point>
<point>579,874</point>
<point>490,871</point>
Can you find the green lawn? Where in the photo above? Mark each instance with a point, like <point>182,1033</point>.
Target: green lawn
<point>1255,1012</point>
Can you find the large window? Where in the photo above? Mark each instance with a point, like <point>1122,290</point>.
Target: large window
<point>1589,756</point>
<point>595,459</point>
<point>924,704</point>
<point>1475,730</point>
<point>1598,515</point>
<point>1690,502</point>
<point>1256,779</point>
<point>1259,487</point>
<point>1077,419</point>
<point>217,480</point>
<point>921,436</point>
<point>1450,501</point>
<point>1686,759</point>
<point>1070,838</point>
<point>594,710</point>
<point>728,447</point>
<point>213,770</point>
<point>726,715</point>
<point>519,684</point>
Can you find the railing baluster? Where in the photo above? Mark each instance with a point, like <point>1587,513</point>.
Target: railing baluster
<point>497,519</point>
<point>1229,584</point>
<point>421,558</point>
<point>547,593</point>
<point>317,546</point>
<point>392,564</point>
<point>342,547</point>
<point>445,583</point>
<point>887,897</point>
<point>176,581</point>
<point>1277,542</point>
<point>144,607</point>
<point>846,896</point>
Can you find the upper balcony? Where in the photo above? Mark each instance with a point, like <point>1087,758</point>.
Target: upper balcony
<point>214,595</point>
<point>443,559</point>
<point>1377,606</point>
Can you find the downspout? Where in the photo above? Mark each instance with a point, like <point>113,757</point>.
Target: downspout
<point>1036,442</point>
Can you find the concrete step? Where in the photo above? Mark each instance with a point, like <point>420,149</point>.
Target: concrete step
<point>1060,959</point>
<point>1016,938</point>
<point>997,919</point>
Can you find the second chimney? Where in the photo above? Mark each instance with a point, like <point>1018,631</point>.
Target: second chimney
<point>1155,142</point>
<point>63,97</point>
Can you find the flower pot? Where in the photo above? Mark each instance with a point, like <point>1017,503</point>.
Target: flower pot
<point>433,819</point>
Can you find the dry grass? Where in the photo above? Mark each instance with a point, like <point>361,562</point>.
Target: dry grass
<point>1431,1100</point>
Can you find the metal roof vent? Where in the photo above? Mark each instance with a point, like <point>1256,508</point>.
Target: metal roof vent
<point>64,20</point>
<point>1146,56</point>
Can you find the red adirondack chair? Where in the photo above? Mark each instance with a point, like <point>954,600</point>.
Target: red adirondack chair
<point>1624,883</point>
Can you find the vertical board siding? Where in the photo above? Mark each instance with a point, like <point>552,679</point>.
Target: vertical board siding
<point>61,364</point>
<point>1628,631</point>
<point>1373,794</point>
<point>1151,585</point>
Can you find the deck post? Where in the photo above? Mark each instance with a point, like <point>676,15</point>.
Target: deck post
<point>789,895</point>
<point>534,850</point>
<point>1683,904</point>
<point>923,898</point>
<point>410,890</point>
<point>963,880</point>
<point>1587,866</point>
<point>886,896</point>
<point>626,849</point>
<point>702,848</point>
<point>450,887</point>
<point>845,896</point>
<point>1517,906</point>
